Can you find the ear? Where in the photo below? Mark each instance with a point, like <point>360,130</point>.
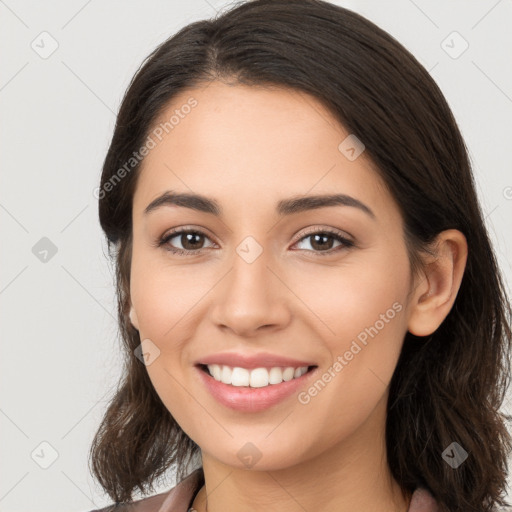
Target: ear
<point>133,318</point>
<point>438,285</point>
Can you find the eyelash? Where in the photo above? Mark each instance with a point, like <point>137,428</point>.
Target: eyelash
<point>185,252</point>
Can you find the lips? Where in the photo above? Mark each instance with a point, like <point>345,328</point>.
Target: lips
<point>251,361</point>
<point>246,398</point>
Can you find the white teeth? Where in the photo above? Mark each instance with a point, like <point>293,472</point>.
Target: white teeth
<point>239,377</point>
<point>225,375</point>
<point>216,371</point>
<point>259,378</point>
<point>275,376</point>
<point>256,378</point>
<point>288,373</point>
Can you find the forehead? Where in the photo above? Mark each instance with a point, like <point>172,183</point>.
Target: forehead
<point>247,145</point>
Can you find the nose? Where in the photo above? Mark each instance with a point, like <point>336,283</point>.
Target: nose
<point>251,298</point>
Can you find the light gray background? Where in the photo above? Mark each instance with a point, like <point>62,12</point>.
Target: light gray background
<point>58,331</point>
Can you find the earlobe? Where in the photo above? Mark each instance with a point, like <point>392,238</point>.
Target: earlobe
<point>133,318</point>
<point>437,291</point>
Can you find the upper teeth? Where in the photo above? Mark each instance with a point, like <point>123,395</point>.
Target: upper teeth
<point>256,378</point>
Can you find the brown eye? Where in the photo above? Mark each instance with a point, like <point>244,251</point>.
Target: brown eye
<point>190,240</point>
<point>322,241</point>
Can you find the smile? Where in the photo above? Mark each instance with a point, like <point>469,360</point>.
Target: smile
<point>256,389</point>
<point>256,377</point>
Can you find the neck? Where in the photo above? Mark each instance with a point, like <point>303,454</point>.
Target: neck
<point>353,475</point>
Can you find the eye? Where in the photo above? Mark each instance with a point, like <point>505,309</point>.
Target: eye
<point>321,241</point>
<point>191,241</point>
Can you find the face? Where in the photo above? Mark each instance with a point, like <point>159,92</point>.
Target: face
<point>324,288</point>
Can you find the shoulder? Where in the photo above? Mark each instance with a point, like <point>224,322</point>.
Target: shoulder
<point>179,497</point>
<point>423,501</point>
<point>176,499</point>
<point>148,504</point>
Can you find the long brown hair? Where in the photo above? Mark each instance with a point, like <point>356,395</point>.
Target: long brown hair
<point>447,387</point>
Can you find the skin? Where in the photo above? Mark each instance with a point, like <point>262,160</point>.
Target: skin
<point>249,147</point>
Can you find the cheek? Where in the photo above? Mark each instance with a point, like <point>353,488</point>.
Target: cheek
<point>165,296</point>
<point>345,299</point>
<point>361,310</point>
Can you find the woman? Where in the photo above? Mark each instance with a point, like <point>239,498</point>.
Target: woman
<point>311,307</point>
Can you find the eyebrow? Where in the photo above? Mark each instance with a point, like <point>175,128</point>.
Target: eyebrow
<point>284,207</point>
